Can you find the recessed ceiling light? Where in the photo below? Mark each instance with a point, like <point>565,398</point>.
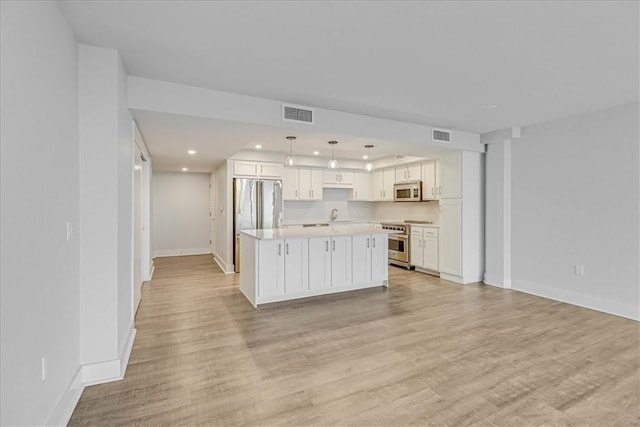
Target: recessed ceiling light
<point>316,153</point>
<point>258,146</point>
<point>185,169</point>
<point>365,157</point>
<point>192,152</point>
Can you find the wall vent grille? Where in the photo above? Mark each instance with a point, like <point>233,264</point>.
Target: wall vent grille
<point>441,135</point>
<point>297,113</point>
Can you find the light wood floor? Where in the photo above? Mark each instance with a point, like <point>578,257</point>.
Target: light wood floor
<point>425,351</point>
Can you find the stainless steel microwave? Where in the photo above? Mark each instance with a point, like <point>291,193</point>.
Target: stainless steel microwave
<point>408,192</point>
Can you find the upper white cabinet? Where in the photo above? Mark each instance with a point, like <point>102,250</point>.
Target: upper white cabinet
<point>257,169</point>
<point>338,178</point>
<point>361,186</point>
<point>302,184</point>
<point>408,173</point>
<point>450,176</point>
<point>430,180</point>
<point>382,184</point>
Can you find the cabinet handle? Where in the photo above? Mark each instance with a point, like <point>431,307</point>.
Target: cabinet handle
<point>374,242</point>
<point>334,246</point>
<point>279,249</point>
<point>367,242</point>
<point>356,194</point>
<point>286,248</point>
<point>326,246</point>
<point>296,193</point>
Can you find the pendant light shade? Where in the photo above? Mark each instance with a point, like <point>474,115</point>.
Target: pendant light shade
<point>290,161</point>
<point>333,163</point>
<point>368,166</point>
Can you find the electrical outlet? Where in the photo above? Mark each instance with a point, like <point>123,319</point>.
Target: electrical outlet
<point>71,231</point>
<point>44,362</point>
<point>579,270</point>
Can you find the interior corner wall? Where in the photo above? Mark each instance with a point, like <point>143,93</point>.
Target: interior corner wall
<point>39,297</point>
<point>106,218</point>
<point>180,213</point>
<point>495,198</point>
<point>575,189</point>
<point>223,210</point>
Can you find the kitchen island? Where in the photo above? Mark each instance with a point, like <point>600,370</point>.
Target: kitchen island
<point>289,263</point>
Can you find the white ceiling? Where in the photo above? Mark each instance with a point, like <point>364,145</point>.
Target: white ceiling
<point>435,63</point>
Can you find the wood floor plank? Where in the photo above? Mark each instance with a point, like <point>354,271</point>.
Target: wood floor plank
<point>422,352</point>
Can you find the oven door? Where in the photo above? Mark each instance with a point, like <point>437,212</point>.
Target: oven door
<point>398,247</point>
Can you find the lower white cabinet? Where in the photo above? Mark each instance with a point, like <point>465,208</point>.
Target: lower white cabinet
<point>370,258</point>
<point>379,257</point>
<point>320,265</point>
<point>340,261</point>
<point>270,268</point>
<point>424,247</point>
<point>296,266</point>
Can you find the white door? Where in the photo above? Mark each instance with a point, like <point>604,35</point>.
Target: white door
<point>379,257</point>
<point>450,234</point>
<point>319,263</point>
<point>271,268</point>
<point>290,184</point>
<point>137,227</point>
<point>212,213</point>
<point>361,259</point>
<point>341,261</point>
<point>413,173</point>
<point>296,266</point>
<point>346,178</point>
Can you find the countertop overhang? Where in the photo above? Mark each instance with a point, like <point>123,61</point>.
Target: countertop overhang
<point>301,233</point>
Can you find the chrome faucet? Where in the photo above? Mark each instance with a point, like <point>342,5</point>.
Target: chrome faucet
<point>334,214</point>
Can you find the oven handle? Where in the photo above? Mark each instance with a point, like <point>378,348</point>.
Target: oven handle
<point>398,236</point>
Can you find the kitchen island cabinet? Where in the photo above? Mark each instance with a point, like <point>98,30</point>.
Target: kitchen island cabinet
<point>290,263</point>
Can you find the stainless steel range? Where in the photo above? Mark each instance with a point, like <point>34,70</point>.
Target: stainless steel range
<point>398,244</point>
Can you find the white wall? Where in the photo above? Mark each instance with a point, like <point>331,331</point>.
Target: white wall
<point>574,200</point>
<point>180,213</point>
<point>39,171</point>
<point>106,215</point>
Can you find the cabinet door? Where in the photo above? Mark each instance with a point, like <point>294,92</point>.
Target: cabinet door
<point>361,186</point>
<point>346,178</point>
<point>361,259</point>
<point>436,166</point>
<point>379,257</point>
<point>305,184</point>
<point>290,184</point>
<point>377,185</point>
<point>316,184</point>
<point>450,232</point>
<point>401,174</point>
<point>341,261</point>
<point>319,263</point>
<point>430,253</point>
<point>416,246</point>
<point>245,168</point>
<point>270,268</point>
<point>330,176</point>
<point>296,266</point>
<point>388,180</point>
<point>413,173</point>
<point>450,170</point>
<point>271,170</point>
<point>429,181</point>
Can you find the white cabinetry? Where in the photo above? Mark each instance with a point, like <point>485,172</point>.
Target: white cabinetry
<point>320,265</point>
<point>382,185</point>
<point>450,176</point>
<point>424,247</point>
<point>302,184</point>
<point>336,178</point>
<point>270,268</point>
<point>450,236</point>
<point>379,257</point>
<point>257,169</point>
<point>408,173</point>
<point>361,186</point>
<point>340,261</point>
<point>370,258</point>
<point>430,180</point>
<point>296,266</point>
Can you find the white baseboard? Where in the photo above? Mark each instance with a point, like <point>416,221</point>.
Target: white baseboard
<point>629,311</point>
<point>152,268</point>
<point>126,351</point>
<point>497,281</point>
<point>181,252</point>
<point>67,403</point>
<point>101,372</point>
<point>226,268</point>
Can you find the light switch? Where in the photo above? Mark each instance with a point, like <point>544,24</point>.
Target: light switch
<point>71,231</point>
<point>579,270</point>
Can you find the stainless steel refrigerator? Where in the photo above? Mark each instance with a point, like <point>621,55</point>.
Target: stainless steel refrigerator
<point>257,204</point>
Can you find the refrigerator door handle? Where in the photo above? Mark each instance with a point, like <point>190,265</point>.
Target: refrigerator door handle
<point>259,204</point>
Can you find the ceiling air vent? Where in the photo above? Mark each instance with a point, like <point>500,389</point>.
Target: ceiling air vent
<point>441,135</point>
<point>297,113</point>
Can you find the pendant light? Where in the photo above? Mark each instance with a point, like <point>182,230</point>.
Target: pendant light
<point>333,163</point>
<point>368,166</point>
<point>290,161</point>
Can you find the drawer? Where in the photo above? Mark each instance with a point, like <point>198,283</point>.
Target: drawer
<point>430,232</point>
<point>416,231</point>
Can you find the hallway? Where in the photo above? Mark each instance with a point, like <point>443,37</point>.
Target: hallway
<point>425,351</point>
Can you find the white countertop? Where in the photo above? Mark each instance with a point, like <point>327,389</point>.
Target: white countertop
<point>423,225</point>
<point>336,230</point>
